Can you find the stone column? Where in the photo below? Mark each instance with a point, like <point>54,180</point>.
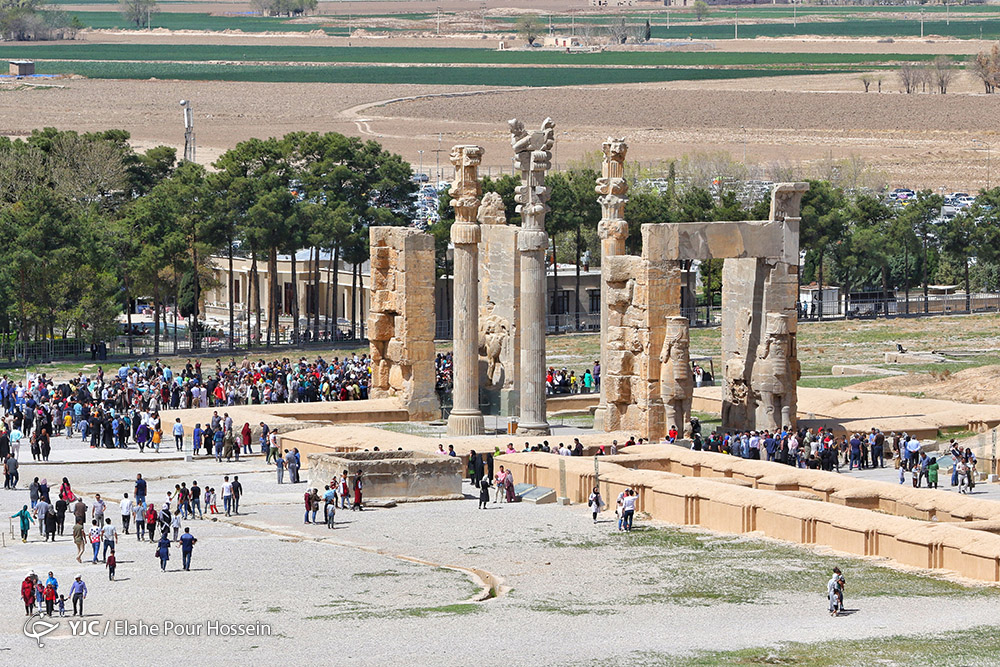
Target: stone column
<point>613,231</point>
<point>465,418</point>
<point>533,151</point>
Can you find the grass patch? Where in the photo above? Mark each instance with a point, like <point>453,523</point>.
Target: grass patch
<point>571,608</point>
<point>432,56</point>
<point>688,567</point>
<point>374,575</point>
<point>458,609</point>
<point>978,646</point>
<point>835,381</point>
<point>446,76</point>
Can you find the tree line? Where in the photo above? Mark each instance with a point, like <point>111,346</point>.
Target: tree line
<point>91,226</point>
<point>853,238</point>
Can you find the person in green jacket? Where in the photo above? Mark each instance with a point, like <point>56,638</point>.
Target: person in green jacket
<point>26,521</point>
<point>932,473</point>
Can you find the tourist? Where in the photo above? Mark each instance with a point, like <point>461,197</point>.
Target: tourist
<point>343,490</point>
<point>98,509</point>
<point>126,510</point>
<point>78,593</point>
<point>61,507</point>
<point>227,495</point>
<point>358,486</point>
<point>932,473</point>
<point>484,492</point>
<point>237,493</point>
<point>628,510</point>
<point>41,511</point>
<point>178,432</point>
<point>329,506</point>
<point>279,463</point>
<point>195,495</point>
<point>187,547</point>
<point>140,489</point>
<point>94,536</point>
<point>139,516</point>
<point>312,504</point>
<point>25,522</point>
<point>245,435</point>
<point>595,502</point>
<point>28,590</point>
<point>10,474</point>
<point>152,516</point>
<point>163,552</point>
<point>835,592</point>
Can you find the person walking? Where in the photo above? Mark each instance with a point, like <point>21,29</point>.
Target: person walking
<point>329,506</point>
<point>111,562</point>
<point>187,547</point>
<point>484,492</point>
<point>139,514</point>
<point>78,593</point>
<point>109,534</point>
<point>307,498</point>
<point>628,510</point>
<point>178,434</point>
<point>152,517</point>
<point>196,500</point>
<point>126,509</point>
<point>237,494</point>
<point>343,490</point>
<point>80,540</point>
<point>26,520</point>
<point>227,495</point>
<point>595,502</point>
<point>163,552</point>
<point>280,466</point>
<point>94,535</point>
<point>358,486</point>
<point>28,591</point>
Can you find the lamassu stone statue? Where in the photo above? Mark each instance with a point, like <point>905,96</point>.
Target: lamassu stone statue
<point>776,372</point>
<point>676,383</point>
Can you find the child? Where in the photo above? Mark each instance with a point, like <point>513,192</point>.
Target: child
<point>62,605</point>
<point>215,499</point>
<point>111,562</point>
<point>175,523</point>
<point>50,599</point>
<point>963,476</point>
<point>902,475</point>
<point>39,596</point>
<point>915,476</point>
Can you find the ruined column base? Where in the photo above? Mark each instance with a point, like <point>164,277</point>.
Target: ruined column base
<point>533,429</point>
<point>466,423</point>
<point>599,412</point>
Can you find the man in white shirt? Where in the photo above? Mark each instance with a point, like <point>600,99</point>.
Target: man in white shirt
<point>110,536</point>
<point>126,508</point>
<point>227,495</point>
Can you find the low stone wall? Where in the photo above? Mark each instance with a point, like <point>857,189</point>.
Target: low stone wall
<point>392,475</point>
<point>718,504</point>
<point>897,499</point>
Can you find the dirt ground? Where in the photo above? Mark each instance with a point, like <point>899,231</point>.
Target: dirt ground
<point>972,385</point>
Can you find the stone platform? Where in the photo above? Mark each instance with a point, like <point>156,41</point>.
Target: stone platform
<point>402,476</point>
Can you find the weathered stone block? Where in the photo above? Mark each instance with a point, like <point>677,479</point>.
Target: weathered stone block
<point>621,268</point>
<point>619,362</point>
<point>619,388</point>
<point>380,326</point>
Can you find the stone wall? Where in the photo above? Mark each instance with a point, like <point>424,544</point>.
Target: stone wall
<point>729,506</point>
<point>393,475</point>
<point>499,309</point>
<point>641,294</point>
<point>401,319</point>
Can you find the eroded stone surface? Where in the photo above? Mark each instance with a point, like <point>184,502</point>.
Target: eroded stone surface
<point>401,333</point>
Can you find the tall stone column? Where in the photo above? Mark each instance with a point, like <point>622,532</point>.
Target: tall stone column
<point>533,151</point>
<point>465,418</point>
<point>613,231</point>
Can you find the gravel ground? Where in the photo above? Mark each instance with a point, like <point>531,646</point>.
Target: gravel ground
<point>574,592</point>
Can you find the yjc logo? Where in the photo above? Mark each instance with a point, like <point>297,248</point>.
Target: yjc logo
<point>36,627</point>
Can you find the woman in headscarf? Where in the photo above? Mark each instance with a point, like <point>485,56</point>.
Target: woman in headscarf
<point>65,491</point>
<point>44,444</point>
<point>358,484</point>
<point>245,436</point>
<point>26,520</point>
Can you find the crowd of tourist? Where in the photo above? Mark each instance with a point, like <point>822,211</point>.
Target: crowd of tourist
<point>564,381</point>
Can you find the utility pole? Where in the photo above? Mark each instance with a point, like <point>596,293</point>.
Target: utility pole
<point>736,24</point>
<point>921,24</point>
<point>439,21</point>
<point>188,131</point>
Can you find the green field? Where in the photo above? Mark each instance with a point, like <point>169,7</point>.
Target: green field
<point>432,56</point>
<point>478,76</point>
<point>196,21</point>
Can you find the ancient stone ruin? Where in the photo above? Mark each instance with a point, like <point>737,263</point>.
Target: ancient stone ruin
<point>395,475</point>
<point>399,330</point>
<point>500,284</point>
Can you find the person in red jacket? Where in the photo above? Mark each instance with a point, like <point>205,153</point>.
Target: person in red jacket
<point>49,594</point>
<point>28,593</point>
